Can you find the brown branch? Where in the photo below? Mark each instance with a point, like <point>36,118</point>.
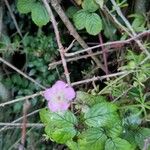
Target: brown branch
<point>104,50</point>
<point>111,44</point>
<point>61,48</point>
<point>54,64</point>
<point>26,107</point>
<point>99,78</point>
<point>72,30</point>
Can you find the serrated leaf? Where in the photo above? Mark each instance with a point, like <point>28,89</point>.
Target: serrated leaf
<point>25,6</point>
<point>60,135</point>
<point>115,130</point>
<point>71,11</point>
<point>129,135</point>
<point>79,19</point>
<point>39,15</point>
<point>45,116</point>
<point>93,24</point>
<point>92,139</point>
<point>100,2</point>
<point>117,144</point>
<point>58,119</point>
<point>141,135</point>
<point>90,5</point>
<point>59,126</point>
<point>88,99</point>
<point>101,115</point>
<point>72,145</point>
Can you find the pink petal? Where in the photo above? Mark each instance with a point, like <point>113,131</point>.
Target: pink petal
<point>59,85</point>
<point>55,107</point>
<point>69,93</point>
<point>48,94</point>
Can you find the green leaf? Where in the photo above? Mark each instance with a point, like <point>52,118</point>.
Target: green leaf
<point>138,23</point>
<point>72,145</point>
<point>129,135</point>
<point>100,2</point>
<point>39,15</point>
<point>101,115</point>
<point>25,6</point>
<point>117,144</point>
<point>45,116</point>
<point>79,19</point>
<point>115,130</point>
<point>92,139</point>
<point>93,24</point>
<point>60,135</point>
<point>71,11</point>
<point>90,5</point>
<point>59,126</point>
<point>141,135</point>
<point>88,99</point>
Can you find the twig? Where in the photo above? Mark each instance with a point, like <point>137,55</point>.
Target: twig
<point>61,48</point>
<point>130,28</point>
<point>104,50</point>
<point>99,78</point>
<point>21,99</point>
<point>26,107</point>
<point>54,64</point>
<point>13,18</point>
<point>70,46</point>
<point>146,143</point>
<point>22,73</point>
<point>19,119</point>
<point>73,31</point>
<point>20,124</point>
<point>112,44</point>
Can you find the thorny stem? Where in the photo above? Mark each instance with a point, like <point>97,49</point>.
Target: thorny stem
<point>61,48</point>
<point>104,50</point>
<point>111,44</point>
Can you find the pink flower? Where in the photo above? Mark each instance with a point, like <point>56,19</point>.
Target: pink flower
<point>59,96</point>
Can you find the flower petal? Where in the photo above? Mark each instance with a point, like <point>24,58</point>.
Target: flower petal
<point>56,107</point>
<point>69,93</point>
<point>48,94</point>
<point>59,85</point>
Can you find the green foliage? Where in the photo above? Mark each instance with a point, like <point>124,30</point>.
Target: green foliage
<point>138,23</point>
<point>79,19</point>
<point>25,6</point>
<point>101,115</point>
<point>141,135</point>
<point>39,15</point>
<point>59,127</point>
<point>118,144</point>
<point>71,11</point>
<point>92,139</point>
<point>89,5</point>
<point>38,12</point>
<point>91,21</point>
<point>93,24</point>
<point>88,99</point>
<point>100,2</point>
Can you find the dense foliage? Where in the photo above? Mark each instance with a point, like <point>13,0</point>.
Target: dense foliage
<point>111,108</point>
